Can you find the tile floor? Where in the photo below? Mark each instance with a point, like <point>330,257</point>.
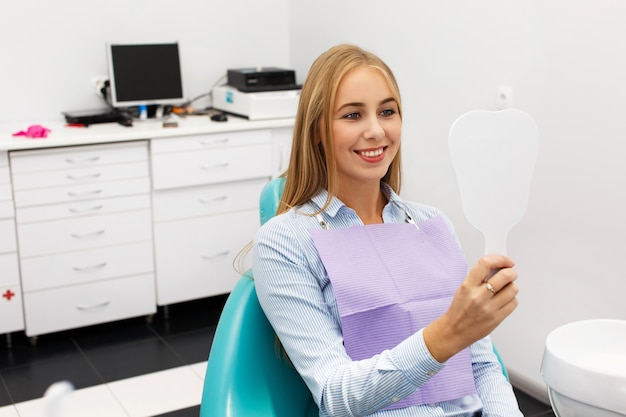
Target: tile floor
<point>131,368</point>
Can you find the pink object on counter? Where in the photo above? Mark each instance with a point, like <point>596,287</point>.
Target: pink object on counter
<point>34,131</point>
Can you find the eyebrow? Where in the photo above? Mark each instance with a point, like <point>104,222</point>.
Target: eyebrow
<point>360,104</point>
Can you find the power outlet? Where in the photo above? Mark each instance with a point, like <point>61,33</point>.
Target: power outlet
<point>98,83</point>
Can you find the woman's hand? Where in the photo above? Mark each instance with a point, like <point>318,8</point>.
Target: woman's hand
<point>477,308</point>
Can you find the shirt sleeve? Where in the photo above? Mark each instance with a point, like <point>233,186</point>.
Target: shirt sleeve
<point>495,392</point>
<point>290,292</point>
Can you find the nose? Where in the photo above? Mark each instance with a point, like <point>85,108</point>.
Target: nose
<point>374,130</point>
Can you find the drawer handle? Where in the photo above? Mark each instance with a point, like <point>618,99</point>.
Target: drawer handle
<point>86,209</point>
<point>89,268</point>
<point>87,235</point>
<point>83,194</point>
<point>214,166</point>
<point>82,160</point>
<point>212,200</point>
<point>217,255</point>
<point>206,142</point>
<point>93,306</point>
<point>83,177</point>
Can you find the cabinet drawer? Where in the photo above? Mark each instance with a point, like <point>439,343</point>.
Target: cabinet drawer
<point>43,272</point>
<point>9,271</point>
<point>11,309</point>
<point>281,145</point>
<point>193,264</point>
<point>80,176</point>
<point>83,208</point>
<point>77,157</point>
<point>5,177</point>
<point>6,210</point>
<point>83,305</point>
<point>7,236</point>
<point>81,192</point>
<point>201,142</point>
<point>211,166</point>
<point>5,192</point>
<point>84,233</point>
<point>207,200</point>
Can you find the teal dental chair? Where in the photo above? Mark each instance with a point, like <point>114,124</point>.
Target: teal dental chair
<point>246,376</point>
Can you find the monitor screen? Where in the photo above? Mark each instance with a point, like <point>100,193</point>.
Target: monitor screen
<point>144,74</point>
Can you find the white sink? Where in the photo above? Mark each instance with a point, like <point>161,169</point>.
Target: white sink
<point>584,366</point>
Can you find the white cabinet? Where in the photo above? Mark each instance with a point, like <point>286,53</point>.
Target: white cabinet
<point>108,223</point>
<point>84,225</point>
<point>10,289</point>
<point>205,198</point>
<point>281,150</point>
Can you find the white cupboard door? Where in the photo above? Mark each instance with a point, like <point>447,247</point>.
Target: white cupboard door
<point>211,166</point>
<point>7,236</point>
<point>195,257</point>
<point>83,208</point>
<point>195,143</point>
<point>83,305</point>
<point>81,192</point>
<point>84,233</point>
<point>281,150</point>
<point>43,272</point>
<point>80,176</point>
<point>6,210</point>
<point>207,200</point>
<point>11,309</point>
<point>9,270</point>
<point>78,157</point>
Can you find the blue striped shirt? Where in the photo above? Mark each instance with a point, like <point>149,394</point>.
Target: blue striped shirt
<point>295,294</point>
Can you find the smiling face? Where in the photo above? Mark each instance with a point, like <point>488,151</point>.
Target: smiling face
<point>366,127</point>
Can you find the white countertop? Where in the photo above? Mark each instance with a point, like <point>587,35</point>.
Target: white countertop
<point>62,135</point>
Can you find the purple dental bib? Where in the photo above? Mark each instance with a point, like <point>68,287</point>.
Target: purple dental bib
<point>391,280</point>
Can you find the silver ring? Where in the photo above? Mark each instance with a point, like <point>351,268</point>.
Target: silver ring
<point>490,288</point>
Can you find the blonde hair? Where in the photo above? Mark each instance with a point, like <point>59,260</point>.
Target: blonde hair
<point>312,164</point>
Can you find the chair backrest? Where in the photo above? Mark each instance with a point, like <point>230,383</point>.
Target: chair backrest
<point>246,376</point>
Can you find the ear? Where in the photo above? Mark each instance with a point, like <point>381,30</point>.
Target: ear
<point>318,134</point>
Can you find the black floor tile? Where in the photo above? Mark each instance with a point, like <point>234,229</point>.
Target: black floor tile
<point>25,350</point>
<point>192,347</point>
<point>4,394</point>
<point>128,360</point>
<point>114,334</point>
<point>30,381</point>
<point>186,412</point>
<point>109,352</point>
<point>188,316</point>
<point>531,407</point>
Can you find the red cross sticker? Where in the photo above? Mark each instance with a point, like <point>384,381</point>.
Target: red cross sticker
<point>8,295</point>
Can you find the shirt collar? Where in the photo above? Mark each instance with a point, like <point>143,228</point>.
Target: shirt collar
<point>319,199</point>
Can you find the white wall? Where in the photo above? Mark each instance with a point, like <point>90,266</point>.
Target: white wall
<point>566,61</point>
<point>51,50</point>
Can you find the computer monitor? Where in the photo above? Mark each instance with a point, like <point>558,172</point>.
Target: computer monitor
<point>144,74</point>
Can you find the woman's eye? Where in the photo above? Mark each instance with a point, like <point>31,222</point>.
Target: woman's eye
<point>388,112</point>
<point>352,116</point>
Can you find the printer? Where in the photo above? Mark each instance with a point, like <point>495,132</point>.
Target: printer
<point>258,93</point>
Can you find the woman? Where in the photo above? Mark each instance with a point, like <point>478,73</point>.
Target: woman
<point>370,295</point>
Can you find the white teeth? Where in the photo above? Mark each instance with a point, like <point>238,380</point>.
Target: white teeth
<point>371,154</point>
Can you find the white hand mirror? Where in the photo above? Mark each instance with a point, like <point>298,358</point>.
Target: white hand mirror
<point>493,154</point>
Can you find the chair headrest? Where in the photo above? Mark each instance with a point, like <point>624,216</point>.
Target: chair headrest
<point>270,197</point>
